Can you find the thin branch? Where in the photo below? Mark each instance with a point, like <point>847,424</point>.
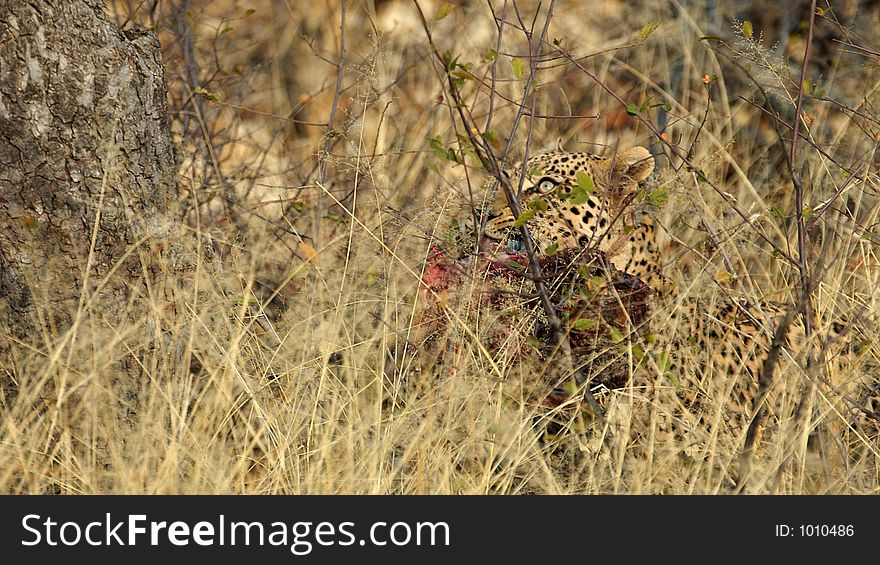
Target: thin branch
<point>806,303</point>
<point>802,235</point>
<point>324,157</point>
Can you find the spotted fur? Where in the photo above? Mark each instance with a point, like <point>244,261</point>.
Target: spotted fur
<point>579,200</point>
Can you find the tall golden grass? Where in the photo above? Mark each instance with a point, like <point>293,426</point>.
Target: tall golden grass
<point>279,350</point>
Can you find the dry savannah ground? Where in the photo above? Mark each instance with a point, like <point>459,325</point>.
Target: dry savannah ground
<point>323,154</point>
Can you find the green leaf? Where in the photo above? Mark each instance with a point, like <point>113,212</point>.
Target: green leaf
<point>490,55</point>
<point>436,144</point>
<point>637,352</point>
<point>657,197</point>
<point>523,218</point>
<point>807,85</point>
<point>372,275</point>
<point>584,182</point>
<point>334,218</point>
<point>615,334</point>
<point>570,386</point>
<point>442,11</point>
<point>462,74</point>
<point>448,60</point>
<point>443,152</point>
<point>207,95</point>
<point>577,195</point>
<point>557,41</point>
<point>298,205</point>
<point>747,29</point>
<point>539,204</point>
<point>584,324</point>
<point>493,138</point>
<point>647,30</point>
<point>519,67</point>
<point>632,109</point>
<point>249,12</point>
<point>551,249</point>
<point>663,362</point>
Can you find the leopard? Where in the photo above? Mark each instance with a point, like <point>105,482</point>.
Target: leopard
<point>582,201</point>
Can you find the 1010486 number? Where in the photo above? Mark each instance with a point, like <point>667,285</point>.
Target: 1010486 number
<point>826,530</point>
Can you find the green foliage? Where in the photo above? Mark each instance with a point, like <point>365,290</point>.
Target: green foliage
<point>584,182</point>
<point>582,190</point>
<point>657,197</point>
<point>584,324</point>
<point>637,351</point>
<point>443,11</point>
<point>813,89</point>
<point>493,138</point>
<point>615,335</point>
<point>647,30</point>
<point>663,361</point>
<point>635,110</point>
<point>206,94</point>
<point>443,152</point>
<point>519,67</point>
<point>539,204</point>
<point>524,217</point>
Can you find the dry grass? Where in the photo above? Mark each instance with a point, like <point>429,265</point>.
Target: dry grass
<point>278,349</point>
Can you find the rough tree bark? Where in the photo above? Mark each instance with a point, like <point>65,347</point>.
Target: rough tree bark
<point>86,160</point>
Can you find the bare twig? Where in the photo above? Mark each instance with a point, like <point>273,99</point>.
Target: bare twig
<point>802,235</point>
<point>805,302</point>
<point>324,156</point>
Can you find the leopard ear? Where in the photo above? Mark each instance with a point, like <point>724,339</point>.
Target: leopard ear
<point>636,163</point>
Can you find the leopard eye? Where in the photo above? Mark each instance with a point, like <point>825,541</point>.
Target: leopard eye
<point>546,185</point>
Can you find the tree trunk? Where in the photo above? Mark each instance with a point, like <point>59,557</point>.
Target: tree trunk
<point>87,168</point>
